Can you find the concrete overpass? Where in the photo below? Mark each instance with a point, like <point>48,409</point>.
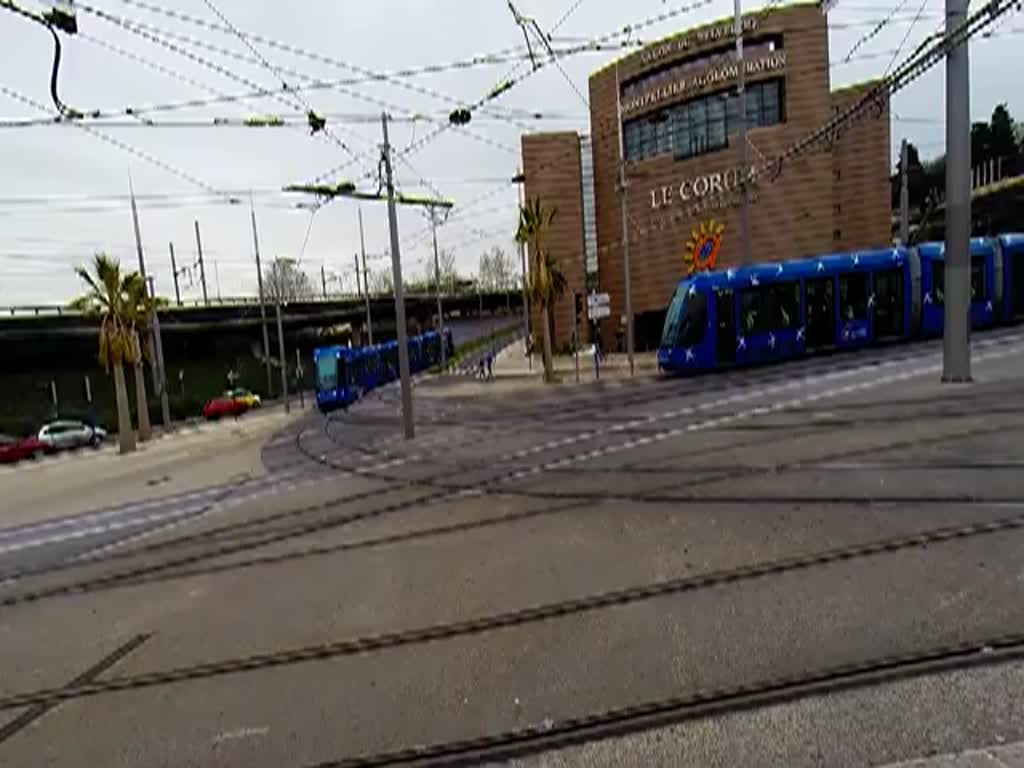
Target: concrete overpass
<point>51,322</point>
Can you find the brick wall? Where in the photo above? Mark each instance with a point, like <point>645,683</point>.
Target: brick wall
<point>861,212</point>
<point>551,164</point>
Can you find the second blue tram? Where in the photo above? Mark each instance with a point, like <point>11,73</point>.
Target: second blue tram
<point>345,374</point>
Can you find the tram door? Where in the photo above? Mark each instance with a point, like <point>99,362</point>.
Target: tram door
<point>821,315</point>
<point>725,309</point>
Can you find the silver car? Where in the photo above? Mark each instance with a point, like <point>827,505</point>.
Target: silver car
<point>62,435</point>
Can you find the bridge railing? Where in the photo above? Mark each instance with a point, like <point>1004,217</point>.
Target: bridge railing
<point>63,310</point>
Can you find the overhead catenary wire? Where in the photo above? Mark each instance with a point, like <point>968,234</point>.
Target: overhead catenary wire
<point>145,32</point>
<point>506,85</point>
<point>370,74</point>
<point>509,83</point>
<point>141,154</point>
<point>875,31</point>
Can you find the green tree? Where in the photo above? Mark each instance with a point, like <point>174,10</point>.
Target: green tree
<point>106,299</point>
<point>1004,142</point>
<point>981,144</point>
<point>138,308</point>
<point>546,282</point>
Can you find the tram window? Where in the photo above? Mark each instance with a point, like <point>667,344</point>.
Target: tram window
<point>695,320</point>
<point>770,308</point>
<point>938,282</point>
<point>888,303</point>
<point>978,278</point>
<point>785,304</point>
<point>853,297</point>
<point>750,310</point>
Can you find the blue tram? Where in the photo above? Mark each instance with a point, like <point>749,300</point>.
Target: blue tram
<point>345,374</point>
<point>772,312</point>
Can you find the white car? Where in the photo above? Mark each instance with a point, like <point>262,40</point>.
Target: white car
<point>62,435</point>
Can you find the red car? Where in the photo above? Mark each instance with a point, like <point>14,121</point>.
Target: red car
<point>223,406</point>
<point>14,449</point>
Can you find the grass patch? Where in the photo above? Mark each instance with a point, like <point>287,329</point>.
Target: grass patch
<point>470,348</point>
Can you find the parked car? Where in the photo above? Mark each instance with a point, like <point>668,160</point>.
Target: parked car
<point>248,398</point>
<point>222,406</point>
<point>63,435</point>
<point>14,449</point>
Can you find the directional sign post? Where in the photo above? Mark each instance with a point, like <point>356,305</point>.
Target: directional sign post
<point>598,307</point>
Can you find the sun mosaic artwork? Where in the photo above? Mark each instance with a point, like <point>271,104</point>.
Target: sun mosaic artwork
<point>703,246</point>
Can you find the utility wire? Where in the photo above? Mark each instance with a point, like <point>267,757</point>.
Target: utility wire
<point>297,51</point>
<point>334,84</point>
<point>509,83</point>
<point>317,124</point>
<point>155,66</point>
<point>867,36</point>
<point>906,35</point>
<point>141,154</point>
<point>143,31</point>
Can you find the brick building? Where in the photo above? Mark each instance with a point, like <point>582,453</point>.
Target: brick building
<point>678,107</point>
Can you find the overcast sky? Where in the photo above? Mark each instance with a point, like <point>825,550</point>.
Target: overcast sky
<point>65,191</point>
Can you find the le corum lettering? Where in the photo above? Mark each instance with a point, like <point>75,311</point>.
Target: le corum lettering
<point>709,77</point>
<point>693,189</point>
<point>700,37</point>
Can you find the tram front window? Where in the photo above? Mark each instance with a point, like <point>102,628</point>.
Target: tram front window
<point>327,370</point>
<point>695,319</point>
<point>673,317</point>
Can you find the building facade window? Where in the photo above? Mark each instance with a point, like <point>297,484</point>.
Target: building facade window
<point>701,125</point>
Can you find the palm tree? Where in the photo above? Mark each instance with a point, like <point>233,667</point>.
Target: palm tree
<point>137,307</point>
<point>546,283</point>
<point>105,299</point>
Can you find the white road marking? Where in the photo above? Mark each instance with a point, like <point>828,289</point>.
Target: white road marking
<point>241,733</point>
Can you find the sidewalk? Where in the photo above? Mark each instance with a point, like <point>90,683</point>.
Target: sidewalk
<point>513,362</point>
<point>196,456</point>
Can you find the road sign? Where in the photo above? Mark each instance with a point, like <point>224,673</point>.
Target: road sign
<point>596,312</point>
<point>598,300</point>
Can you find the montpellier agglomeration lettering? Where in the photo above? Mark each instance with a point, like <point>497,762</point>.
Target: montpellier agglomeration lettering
<point>709,77</point>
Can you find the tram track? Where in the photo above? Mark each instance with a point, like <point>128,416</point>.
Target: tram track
<point>610,723</point>
<point>504,620</point>
<point>439,492</point>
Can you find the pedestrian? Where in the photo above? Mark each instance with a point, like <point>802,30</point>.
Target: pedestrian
<point>490,367</point>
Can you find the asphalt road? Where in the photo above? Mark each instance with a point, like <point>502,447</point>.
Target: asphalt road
<point>40,530</point>
<point>827,552</point>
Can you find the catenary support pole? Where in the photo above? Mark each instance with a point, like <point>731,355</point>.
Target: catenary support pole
<point>284,360</point>
<point>202,264</point>
<point>624,204</point>
<point>263,306</point>
<point>956,351</point>
<point>366,278</point>
<point>741,136</point>
<point>904,194</point>
<point>396,270</point>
